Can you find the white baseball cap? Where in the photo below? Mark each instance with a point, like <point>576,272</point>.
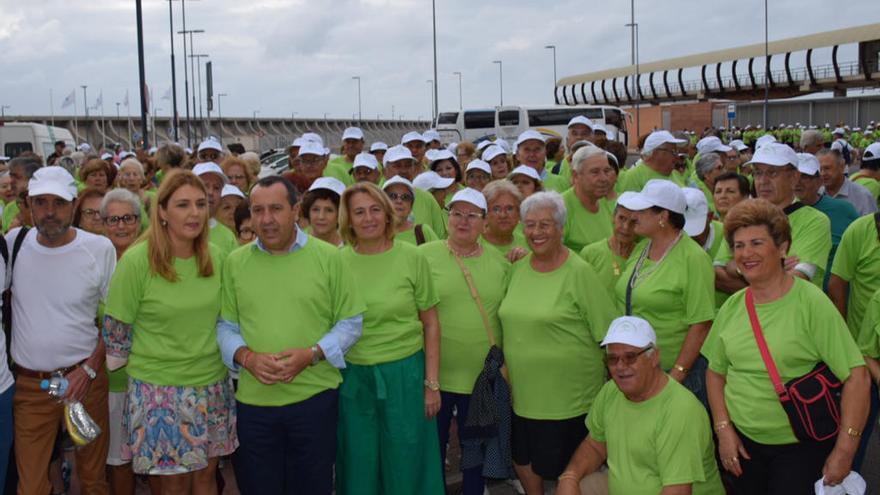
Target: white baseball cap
<point>209,168</point>
<point>412,136</point>
<point>710,144</point>
<point>315,138</point>
<point>85,147</point>
<point>126,154</point>
<point>352,133</point>
<point>311,148</point>
<point>659,192</point>
<point>52,180</point>
<point>528,136</point>
<point>431,135</point>
<point>210,144</point>
<point>105,155</point>
<point>600,128</point>
<point>491,152</point>
<point>696,212</point>
<point>4,158</point>
<point>395,153</point>
<point>231,190</point>
<point>432,180</point>
<point>472,196</point>
<point>329,183</point>
<point>630,330</point>
<point>765,139</point>
<point>527,171</point>
<point>807,164</point>
<point>438,155</point>
<point>399,180</point>
<point>872,152</point>
<point>580,119</point>
<point>484,144</point>
<point>365,160</point>
<point>378,146</point>
<point>626,200</point>
<point>838,130</point>
<point>297,142</point>
<point>738,145</point>
<point>430,154</point>
<point>479,165</point>
<point>658,138</point>
<point>776,154</point>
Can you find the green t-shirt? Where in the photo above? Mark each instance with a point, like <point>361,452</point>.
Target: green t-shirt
<point>662,441</point>
<point>871,184</point>
<point>10,211</point>
<point>287,301</point>
<point>869,334</point>
<point>553,182</point>
<point>220,236</point>
<point>717,238</point>
<point>564,169</point>
<point>340,168</point>
<point>710,195</point>
<point>174,324</point>
<point>426,210</point>
<point>409,236</point>
<point>519,240</point>
<point>672,296</point>
<point>584,227</point>
<point>553,323</point>
<point>858,262</point>
<point>639,175</point>
<point>801,328</point>
<point>396,285</point>
<point>608,265</point>
<point>463,339</point>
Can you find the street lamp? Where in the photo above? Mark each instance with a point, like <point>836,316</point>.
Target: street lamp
<point>189,32</point>
<point>255,115</point>
<point>199,65</point>
<point>3,110</point>
<point>220,112</point>
<point>460,104</point>
<point>553,47</point>
<point>117,110</point>
<point>500,81</point>
<point>359,96</point>
<point>85,100</point>
<point>637,93</point>
<point>431,95</point>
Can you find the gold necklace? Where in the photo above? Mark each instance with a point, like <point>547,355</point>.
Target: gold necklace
<point>639,275</point>
<point>468,255</point>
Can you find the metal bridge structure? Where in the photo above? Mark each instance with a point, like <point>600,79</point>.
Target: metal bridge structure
<point>735,73</point>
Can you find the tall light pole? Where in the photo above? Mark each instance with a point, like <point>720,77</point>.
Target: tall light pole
<point>85,100</point>
<point>637,94</point>
<point>431,96</point>
<point>117,110</point>
<point>553,47</point>
<point>186,74</point>
<point>766,64</point>
<point>173,72</point>
<point>359,96</point>
<point>436,82</point>
<point>199,65</point>
<point>500,81</point>
<point>220,112</point>
<point>460,104</point>
<point>3,111</point>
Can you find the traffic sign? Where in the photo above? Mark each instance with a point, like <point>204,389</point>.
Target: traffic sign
<point>731,111</point>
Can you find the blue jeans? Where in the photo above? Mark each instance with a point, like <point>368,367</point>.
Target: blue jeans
<point>472,478</point>
<point>287,449</point>
<point>6,432</point>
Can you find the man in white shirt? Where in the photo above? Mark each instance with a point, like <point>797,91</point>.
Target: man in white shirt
<point>60,275</point>
<point>832,168</point>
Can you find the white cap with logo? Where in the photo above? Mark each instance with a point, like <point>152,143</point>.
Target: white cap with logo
<point>52,180</point>
<point>378,146</point>
<point>658,138</point>
<point>432,180</point>
<point>776,154</point>
<point>580,119</point>
<point>527,171</point>
<point>209,168</point>
<point>492,151</point>
<point>396,153</point>
<point>210,144</point>
<point>659,192</point>
<point>328,183</point>
<point>472,196</point>
<point>630,330</point>
<point>399,180</point>
<point>311,148</point>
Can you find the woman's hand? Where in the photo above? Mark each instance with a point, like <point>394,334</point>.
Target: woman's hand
<point>516,254</point>
<point>432,402</point>
<point>837,467</point>
<point>730,449</point>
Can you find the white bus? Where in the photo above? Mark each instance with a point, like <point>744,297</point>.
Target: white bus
<point>507,122</point>
<point>18,137</point>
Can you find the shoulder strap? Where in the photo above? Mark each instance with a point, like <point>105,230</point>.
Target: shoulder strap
<point>797,205</point>
<point>16,245</point>
<point>420,235</point>
<point>762,346</point>
<point>877,223</point>
<point>476,295</point>
<point>632,279</point>
<point>4,251</point>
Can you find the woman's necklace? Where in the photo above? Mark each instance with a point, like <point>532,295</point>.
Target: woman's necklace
<point>617,249</point>
<point>639,275</point>
<point>468,255</point>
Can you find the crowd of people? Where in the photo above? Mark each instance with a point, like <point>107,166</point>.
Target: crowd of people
<point>705,320</point>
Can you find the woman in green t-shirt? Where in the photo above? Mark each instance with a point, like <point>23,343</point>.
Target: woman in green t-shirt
<point>609,256</point>
<point>390,394</point>
<point>320,208</point>
<point>801,328</point>
<point>161,317</point>
<point>503,200</point>
<point>553,316</point>
<point>670,282</point>
<point>402,194</point>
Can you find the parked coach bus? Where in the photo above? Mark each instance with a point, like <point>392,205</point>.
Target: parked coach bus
<point>508,122</point>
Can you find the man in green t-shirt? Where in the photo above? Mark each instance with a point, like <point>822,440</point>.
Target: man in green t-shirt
<point>531,150</point>
<point>869,174</point>
<point>289,314</point>
<point>365,169</point>
<point>653,433</point>
<point>659,155</point>
<point>352,144</point>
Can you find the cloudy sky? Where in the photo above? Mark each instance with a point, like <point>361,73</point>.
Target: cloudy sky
<point>284,56</point>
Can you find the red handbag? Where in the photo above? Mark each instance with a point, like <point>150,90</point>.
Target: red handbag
<point>811,401</point>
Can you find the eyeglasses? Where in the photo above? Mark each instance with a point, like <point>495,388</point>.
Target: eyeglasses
<point>237,177</point>
<point>311,162</point>
<point>400,196</point>
<point>628,358</point>
<point>88,212</point>
<point>460,215</point>
<point>671,152</point>
<point>127,219</point>
<point>770,174</point>
<point>507,210</point>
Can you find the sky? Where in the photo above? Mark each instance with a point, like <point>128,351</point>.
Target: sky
<point>277,57</point>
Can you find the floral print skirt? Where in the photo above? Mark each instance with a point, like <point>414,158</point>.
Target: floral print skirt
<point>175,430</point>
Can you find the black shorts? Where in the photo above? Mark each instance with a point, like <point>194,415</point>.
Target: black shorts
<point>546,444</point>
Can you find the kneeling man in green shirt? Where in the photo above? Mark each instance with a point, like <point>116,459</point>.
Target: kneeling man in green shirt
<point>652,433</point>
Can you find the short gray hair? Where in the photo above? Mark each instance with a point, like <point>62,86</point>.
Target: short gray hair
<point>583,154</point>
<point>120,195</point>
<point>501,186</point>
<point>838,157</point>
<point>132,162</point>
<point>706,163</point>
<point>811,137</point>
<point>545,199</point>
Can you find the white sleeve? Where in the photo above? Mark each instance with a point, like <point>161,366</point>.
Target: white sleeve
<point>109,265</point>
<point>807,269</point>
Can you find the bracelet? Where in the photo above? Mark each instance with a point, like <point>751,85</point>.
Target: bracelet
<point>432,386</point>
<point>568,475</point>
<point>853,432</point>
<point>721,425</point>
<point>680,368</point>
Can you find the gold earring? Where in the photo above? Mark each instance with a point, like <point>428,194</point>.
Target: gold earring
<point>662,225</point>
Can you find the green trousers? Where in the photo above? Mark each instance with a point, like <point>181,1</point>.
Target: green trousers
<point>386,445</point>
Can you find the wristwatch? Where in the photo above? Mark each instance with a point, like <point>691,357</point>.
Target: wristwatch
<point>432,386</point>
<point>316,355</point>
<point>89,371</point>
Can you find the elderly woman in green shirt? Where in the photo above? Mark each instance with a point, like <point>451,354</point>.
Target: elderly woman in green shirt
<point>390,392</point>
<point>554,315</point>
